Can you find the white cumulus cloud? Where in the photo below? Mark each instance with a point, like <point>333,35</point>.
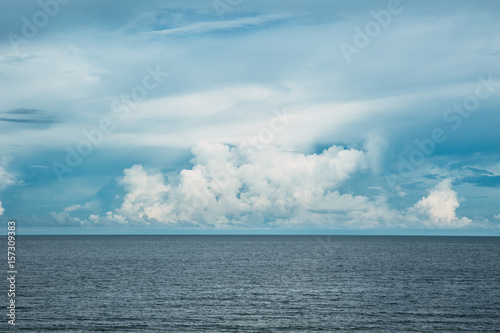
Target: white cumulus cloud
<point>6,178</point>
<point>109,218</point>
<point>146,195</point>
<point>238,186</point>
<point>92,205</point>
<point>65,219</point>
<point>438,208</point>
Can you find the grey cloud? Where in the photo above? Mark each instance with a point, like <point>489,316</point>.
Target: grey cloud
<point>18,59</point>
<point>484,181</point>
<point>29,116</point>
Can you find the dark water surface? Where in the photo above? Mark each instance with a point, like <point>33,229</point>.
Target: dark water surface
<point>257,284</point>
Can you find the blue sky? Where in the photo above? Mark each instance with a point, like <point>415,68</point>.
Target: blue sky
<point>366,117</point>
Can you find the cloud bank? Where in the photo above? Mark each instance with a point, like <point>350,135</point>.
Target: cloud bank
<point>230,187</point>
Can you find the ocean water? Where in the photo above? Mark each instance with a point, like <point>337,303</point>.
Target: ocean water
<point>257,284</point>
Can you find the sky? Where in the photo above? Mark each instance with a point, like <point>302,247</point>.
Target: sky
<point>250,117</point>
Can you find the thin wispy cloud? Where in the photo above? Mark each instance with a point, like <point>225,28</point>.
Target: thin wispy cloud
<point>30,116</point>
<point>212,26</point>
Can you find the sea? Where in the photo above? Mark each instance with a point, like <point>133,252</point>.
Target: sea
<point>256,284</point>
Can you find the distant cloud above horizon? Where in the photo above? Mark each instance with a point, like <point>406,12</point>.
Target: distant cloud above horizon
<point>231,188</point>
<point>321,115</point>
